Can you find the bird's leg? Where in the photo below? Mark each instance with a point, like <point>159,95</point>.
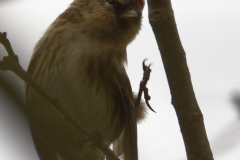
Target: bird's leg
<point>146,75</point>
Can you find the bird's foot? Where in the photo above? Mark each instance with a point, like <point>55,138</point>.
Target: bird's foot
<point>146,75</point>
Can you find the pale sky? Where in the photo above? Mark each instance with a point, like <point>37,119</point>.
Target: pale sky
<point>210,34</point>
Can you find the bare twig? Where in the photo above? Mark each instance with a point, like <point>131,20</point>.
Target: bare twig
<point>11,63</point>
<point>190,118</point>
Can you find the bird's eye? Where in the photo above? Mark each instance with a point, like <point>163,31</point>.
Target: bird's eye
<point>111,2</point>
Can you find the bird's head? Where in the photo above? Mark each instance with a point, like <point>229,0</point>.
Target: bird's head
<point>111,21</point>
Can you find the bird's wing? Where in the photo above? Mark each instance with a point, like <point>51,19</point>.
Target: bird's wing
<point>37,55</point>
<point>126,145</point>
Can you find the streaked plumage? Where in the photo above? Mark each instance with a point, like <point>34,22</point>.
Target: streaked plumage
<point>80,59</point>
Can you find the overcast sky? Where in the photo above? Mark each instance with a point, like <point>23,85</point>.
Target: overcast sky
<point>210,34</point>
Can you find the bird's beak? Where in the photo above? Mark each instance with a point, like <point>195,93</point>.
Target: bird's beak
<point>129,14</point>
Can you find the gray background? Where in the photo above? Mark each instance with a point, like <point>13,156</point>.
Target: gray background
<point>210,33</point>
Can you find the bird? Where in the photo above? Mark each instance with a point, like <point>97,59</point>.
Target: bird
<point>81,59</point>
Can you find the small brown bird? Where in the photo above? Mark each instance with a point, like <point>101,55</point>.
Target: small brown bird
<point>81,60</point>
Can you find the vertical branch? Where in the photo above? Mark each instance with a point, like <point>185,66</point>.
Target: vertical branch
<point>189,115</point>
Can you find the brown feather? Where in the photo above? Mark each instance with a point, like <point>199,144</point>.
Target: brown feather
<point>80,59</point>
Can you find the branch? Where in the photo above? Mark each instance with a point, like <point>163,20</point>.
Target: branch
<point>11,63</point>
<point>161,18</point>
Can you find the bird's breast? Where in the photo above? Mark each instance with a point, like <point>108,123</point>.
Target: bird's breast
<point>95,94</point>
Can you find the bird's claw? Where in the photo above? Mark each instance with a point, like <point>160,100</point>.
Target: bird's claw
<point>146,75</point>
<point>147,98</point>
<point>146,68</point>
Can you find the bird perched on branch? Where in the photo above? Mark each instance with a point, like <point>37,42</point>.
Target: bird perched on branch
<point>81,60</point>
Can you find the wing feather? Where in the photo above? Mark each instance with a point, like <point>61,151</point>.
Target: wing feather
<point>126,145</point>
